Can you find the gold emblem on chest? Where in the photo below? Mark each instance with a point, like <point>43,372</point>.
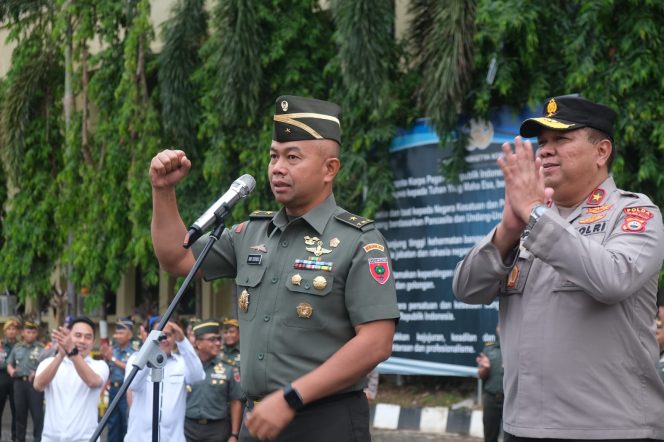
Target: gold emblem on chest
<point>243,301</point>
<point>304,310</point>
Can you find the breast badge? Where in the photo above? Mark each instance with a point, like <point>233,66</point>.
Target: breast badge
<point>296,279</point>
<point>313,263</point>
<point>334,242</point>
<point>317,246</point>
<point>513,277</point>
<point>243,301</point>
<point>320,282</point>
<point>592,219</point>
<point>304,310</point>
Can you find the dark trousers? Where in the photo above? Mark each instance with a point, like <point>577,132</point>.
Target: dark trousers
<point>117,421</point>
<point>26,398</point>
<point>512,438</point>
<point>492,415</point>
<point>211,431</point>
<point>335,419</point>
<point>7,392</point>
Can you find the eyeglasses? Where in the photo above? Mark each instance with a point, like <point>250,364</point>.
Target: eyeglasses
<point>211,339</point>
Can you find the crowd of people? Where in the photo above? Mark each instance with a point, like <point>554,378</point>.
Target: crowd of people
<point>60,385</point>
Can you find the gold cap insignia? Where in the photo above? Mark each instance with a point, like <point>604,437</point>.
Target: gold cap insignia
<point>304,310</point>
<point>334,242</point>
<point>552,107</point>
<point>243,301</point>
<point>284,105</point>
<point>320,282</point>
<point>296,279</point>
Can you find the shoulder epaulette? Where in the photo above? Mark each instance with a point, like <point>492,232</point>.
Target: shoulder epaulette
<point>353,220</point>
<point>262,214</point>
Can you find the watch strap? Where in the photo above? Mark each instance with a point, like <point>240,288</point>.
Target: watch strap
<point>293,398</point>
<point>73,352</point>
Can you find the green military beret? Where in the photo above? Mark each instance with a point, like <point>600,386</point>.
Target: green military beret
<point>299,118</point>
<point>206,327</point>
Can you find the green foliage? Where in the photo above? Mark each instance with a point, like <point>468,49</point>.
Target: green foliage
<point>31,141</point>
<point>368,66</point>
<point>442,41</point>
<point>78,192</point>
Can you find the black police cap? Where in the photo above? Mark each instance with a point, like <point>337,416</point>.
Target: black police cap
<point>300,118</point>
<point>569,112</point>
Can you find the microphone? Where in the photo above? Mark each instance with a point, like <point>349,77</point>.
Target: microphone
<point>217,211</point>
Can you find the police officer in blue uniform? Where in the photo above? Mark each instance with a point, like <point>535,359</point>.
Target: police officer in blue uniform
<point>116,357</point>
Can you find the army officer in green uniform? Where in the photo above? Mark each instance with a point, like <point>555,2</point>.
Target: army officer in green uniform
<point>230,351</point>
<point>490,370</point>
<point>21,366</point>
<point>208,402</point>
<point>317,302</point>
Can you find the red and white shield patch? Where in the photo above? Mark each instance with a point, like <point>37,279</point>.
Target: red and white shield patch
<point>380,270</point>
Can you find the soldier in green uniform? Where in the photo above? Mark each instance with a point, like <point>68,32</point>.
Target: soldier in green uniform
<point>9,340</point>
<point>21,366</point>
<point>317,302</point>
<point>230,352</point>
<point>490,363</point>
<point>214,409</point>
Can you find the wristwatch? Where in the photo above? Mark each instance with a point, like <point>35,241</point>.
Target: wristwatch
<point>74,352</point>
<point>535,215</point>
<point>293,398</point>
<point>113,359</point>
<point>236,435</point>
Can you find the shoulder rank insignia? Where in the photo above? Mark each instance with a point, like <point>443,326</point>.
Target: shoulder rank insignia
<point>262,214</point>
<point>354,220</point>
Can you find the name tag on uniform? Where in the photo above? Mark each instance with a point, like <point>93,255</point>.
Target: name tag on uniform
<point>254,259</point>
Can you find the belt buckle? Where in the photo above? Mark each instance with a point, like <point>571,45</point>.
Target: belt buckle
<point>203,421</point>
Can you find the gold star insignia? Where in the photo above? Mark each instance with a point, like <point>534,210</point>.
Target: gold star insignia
<point>353,218</point>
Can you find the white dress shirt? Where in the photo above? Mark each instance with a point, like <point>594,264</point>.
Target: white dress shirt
<point>181,368</point>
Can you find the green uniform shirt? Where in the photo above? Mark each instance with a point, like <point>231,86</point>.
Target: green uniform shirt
<point>302,286</point>
<point>25,358</point>
<point>209,399</point>
<point>7,347</point>
<point>231,355</point>
<point>494,383</point>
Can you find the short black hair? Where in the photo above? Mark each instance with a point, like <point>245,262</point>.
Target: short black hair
<point>595,136</point>
<point>85,320</point>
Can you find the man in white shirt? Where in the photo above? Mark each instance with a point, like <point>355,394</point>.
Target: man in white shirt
<point>181,368</point>
<point>72,382</point>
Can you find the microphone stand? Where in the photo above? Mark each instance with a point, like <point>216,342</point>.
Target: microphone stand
<point>150,352</point>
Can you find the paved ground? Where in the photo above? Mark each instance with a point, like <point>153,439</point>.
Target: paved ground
<point>377,435</point>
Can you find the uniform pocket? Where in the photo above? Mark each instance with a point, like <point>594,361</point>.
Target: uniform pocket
<point>248,282</point>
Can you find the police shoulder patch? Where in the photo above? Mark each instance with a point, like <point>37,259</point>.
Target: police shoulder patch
<point>353,220</point>
<point>262,214</point>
